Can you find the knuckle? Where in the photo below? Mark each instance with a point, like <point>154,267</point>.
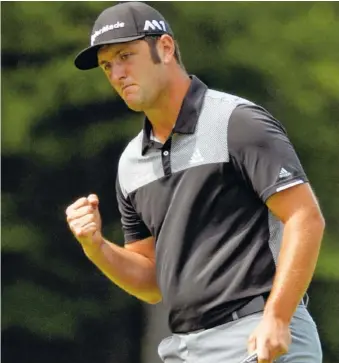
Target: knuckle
<point>275,345</point>
<point>73,225</point>
<point>251,338</point>
<point>85,201</point>
<point>78,232</point>
<point>79,203</point>
<point>92,227</point>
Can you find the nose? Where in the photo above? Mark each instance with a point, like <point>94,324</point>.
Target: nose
<point>118,72</point>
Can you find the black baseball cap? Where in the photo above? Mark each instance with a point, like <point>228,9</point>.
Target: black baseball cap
<point>121,23</point>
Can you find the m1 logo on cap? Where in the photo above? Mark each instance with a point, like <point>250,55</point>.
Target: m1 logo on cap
<point>105,29</point>
<point>154,24</point>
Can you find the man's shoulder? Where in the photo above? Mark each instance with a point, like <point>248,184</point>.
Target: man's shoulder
<point>227,98</point>
<point>223,107</point>
<point>132,149</point>
<point>241,109</point>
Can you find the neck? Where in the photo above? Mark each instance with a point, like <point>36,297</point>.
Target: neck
<point>163,115</point>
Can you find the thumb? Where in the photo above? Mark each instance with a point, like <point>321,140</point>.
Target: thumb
<point>94,200</point>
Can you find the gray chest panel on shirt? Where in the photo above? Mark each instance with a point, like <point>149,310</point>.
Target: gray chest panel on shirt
<point>207,145</point>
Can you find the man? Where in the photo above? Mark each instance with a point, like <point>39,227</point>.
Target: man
<point>219,219</point>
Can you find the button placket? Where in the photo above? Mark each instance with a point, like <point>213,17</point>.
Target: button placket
<point>166,157</point>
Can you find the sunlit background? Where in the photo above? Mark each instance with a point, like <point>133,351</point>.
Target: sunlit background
<point>63,131</point>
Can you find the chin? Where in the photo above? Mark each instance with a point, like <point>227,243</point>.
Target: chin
<point>134,107</point>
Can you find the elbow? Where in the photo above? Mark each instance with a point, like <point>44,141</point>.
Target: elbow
<point>154,301</point>
<point>317,219</point>
<point>150,294</point>
<point>154,298</point>
<point>323,223</point>
<point>317,224</point>
<point>311,220</point>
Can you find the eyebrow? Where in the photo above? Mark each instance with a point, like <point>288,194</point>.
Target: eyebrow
<point>115,54</point>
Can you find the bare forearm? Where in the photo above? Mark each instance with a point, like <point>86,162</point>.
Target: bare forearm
<point>129,270</point>
<point>296,264</point>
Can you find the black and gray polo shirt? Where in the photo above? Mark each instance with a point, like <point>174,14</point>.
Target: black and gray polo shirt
<point>202,196</point>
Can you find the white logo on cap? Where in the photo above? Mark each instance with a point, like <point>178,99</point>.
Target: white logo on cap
<point>155,24</point>
<point>105,29</point>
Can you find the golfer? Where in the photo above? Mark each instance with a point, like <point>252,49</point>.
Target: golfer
<point>219,219</point>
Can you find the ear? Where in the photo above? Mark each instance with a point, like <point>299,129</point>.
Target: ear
<point>167,45</point>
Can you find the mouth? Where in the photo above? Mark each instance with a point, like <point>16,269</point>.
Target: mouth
<point>124,87</point>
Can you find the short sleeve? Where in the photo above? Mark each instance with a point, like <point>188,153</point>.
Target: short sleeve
<point>133,227</point>
<point>261,150</point>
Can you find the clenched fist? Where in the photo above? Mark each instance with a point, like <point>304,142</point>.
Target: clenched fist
<point>84,220</point>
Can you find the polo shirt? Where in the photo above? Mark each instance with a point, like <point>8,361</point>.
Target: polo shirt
<point>202,196</point>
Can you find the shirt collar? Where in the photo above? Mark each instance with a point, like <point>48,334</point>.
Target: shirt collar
<point>188,115</point>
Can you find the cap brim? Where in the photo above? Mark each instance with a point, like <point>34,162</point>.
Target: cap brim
<point>88,58</point>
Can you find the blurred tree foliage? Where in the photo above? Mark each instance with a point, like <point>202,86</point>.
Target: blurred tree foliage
<point>63,131</point>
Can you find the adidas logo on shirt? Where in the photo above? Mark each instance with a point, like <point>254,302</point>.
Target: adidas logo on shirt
<point>196,157</point>
<point>284,173</point>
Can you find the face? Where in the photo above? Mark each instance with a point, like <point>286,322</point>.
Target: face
<point>133,74</point>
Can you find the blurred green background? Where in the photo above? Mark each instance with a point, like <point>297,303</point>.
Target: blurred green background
<point>63,131</point>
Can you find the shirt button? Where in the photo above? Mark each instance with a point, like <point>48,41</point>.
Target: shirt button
<point>165,153</point>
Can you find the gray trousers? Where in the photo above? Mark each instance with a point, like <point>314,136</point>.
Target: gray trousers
<point>227,343</point>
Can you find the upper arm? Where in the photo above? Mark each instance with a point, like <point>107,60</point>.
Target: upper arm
<point>262,152</point>
<point>137,236</point>
<point>133,227</point>
<point>298,201</point>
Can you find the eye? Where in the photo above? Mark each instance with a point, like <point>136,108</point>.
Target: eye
<point>107,67</point>
<point>125,56</point>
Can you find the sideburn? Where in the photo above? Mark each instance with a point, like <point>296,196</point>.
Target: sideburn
<point>152,43</point>
<point>155,55</point>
